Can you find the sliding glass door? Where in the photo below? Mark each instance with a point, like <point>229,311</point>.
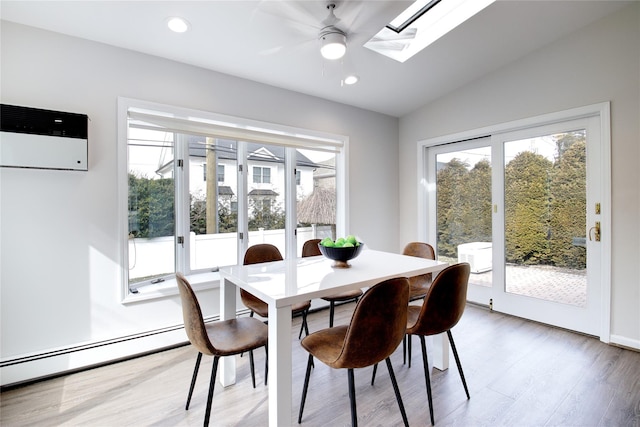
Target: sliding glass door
<point>463,203</point>
<point>522,208</point>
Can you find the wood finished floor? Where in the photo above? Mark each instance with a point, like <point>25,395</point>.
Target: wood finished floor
<point>519,373</point>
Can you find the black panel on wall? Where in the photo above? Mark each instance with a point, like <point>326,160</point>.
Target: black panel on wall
<point>43,139</point>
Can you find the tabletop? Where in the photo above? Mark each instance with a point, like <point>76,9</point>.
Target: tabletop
<point>300,279</point>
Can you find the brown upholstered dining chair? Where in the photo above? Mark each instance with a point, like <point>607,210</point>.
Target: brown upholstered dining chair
<point>441,310</point>
<point>377,326</point>
<point>418,285</point>
<point>265,252</point>
<point>310,248</point>
<point>222,338</point>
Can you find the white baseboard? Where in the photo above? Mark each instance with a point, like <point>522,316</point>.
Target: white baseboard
<point>51,363</point>
<point>625,342</point>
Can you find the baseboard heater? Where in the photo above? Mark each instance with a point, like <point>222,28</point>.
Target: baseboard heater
<point>21,370</point>
<point>43,139</point>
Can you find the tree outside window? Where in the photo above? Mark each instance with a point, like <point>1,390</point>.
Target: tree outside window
<point>545,201</point>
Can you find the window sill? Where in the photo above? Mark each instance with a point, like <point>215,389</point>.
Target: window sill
<point>168,288</point>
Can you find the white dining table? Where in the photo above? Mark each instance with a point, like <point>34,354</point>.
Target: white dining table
<point>283,283</point>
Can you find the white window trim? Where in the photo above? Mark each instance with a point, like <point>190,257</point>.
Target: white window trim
<point>204,123</point>
<point>187,120</point>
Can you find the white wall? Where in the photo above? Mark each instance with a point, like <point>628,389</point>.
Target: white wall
<point>598,63</point>
<point>59,260</point>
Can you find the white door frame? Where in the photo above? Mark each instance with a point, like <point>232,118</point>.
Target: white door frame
<point>602,111</point>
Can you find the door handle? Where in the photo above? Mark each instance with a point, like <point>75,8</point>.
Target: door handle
<point>596,232</point>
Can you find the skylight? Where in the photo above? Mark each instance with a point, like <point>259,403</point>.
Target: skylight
<point>421,24</point>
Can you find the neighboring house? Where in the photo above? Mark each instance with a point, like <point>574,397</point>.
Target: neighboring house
<point>325,174</point>
<point>265,168</point>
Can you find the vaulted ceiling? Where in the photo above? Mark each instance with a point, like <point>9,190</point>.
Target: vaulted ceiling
<point>276,43</point>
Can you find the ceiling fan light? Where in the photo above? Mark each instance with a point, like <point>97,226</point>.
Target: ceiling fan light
<point>334,45</point>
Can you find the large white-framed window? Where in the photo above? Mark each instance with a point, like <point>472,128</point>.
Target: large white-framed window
<point>175,219</point>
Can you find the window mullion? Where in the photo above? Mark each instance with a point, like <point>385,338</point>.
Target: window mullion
<point>243,220</point>
<point>181,173</point>
<point>290,218</point>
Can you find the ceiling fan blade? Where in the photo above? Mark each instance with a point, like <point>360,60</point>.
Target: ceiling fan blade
<point>363,19</point>
<point>292,11</point>
<point>288,48</point>
<point>349,12</point>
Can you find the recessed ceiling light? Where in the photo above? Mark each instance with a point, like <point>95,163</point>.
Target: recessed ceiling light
<point>178,25</point>
<point>351,80</point>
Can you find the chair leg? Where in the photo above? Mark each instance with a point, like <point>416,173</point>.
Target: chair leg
<point>266,364</point>
<point>426,376</point>
<point>304,324</point>
<point>455,355</point>
<point>352,398</point>
<point>250,315</point>
<point>409,349</point>
<point>304,388</point>
<point>253,372</point>
<point>332,309</point>
<point>397,392</point>
<point>404,349</point>
<point>373,375</point>
<point>212,385</point>
<point>193,380</point>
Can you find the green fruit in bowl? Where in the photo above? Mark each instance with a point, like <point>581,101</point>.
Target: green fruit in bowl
<point>341,251</point>
<point>343,242</point>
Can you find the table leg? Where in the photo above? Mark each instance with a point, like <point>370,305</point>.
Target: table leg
<point>227,368</point>
<point>441,352</point>
<point>280,366</point>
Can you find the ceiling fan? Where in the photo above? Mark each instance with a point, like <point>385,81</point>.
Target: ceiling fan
<point>333,39</point>
<point>347,24</point>
<point>331,32</point>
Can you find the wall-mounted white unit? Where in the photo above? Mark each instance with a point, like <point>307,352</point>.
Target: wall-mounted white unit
<point>43,139</point>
